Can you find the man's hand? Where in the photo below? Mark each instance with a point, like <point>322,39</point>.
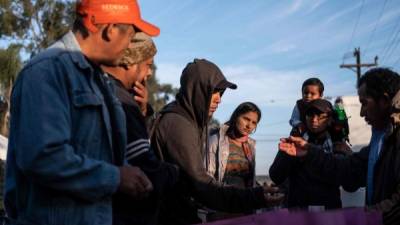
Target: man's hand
<point>294,146</point>
<point>142,95</point>
<point>271,195</point>
<point>134,182</point>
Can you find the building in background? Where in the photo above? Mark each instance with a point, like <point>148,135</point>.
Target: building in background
<point>360,134</point>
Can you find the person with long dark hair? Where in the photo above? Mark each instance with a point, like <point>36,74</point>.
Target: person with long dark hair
<point>232,151</point>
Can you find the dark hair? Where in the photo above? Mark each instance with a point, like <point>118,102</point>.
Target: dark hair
<point>243,108</point>
<point>78,26</point>
<point>380,81</point>
<point>314,81</point>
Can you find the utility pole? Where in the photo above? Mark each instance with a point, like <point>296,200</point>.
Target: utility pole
<point>358,65</point>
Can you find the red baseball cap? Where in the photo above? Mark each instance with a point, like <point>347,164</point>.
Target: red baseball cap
<point>114,11</point>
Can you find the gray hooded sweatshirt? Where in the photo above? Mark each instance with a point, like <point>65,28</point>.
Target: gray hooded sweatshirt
<point>179,138</point>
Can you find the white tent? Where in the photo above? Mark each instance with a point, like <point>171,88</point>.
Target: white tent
<point>360,134</point>
<point>360,131</point>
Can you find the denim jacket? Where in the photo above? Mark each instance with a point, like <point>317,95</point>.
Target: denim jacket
<point>61,166</point>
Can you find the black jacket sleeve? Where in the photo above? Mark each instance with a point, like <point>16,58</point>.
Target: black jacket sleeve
<point>281,167</point>
<point>181,144</point>
<point>348,171</point>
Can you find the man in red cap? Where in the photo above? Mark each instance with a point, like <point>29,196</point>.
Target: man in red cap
<point>67,136</point>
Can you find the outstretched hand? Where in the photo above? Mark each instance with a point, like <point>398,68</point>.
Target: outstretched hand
<point>293,146</point>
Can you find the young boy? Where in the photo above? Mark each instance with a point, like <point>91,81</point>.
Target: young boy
<point>312,89</point>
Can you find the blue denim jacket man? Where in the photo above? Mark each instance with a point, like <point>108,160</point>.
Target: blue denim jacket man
<point>67,134</point>
<point>60,162</point>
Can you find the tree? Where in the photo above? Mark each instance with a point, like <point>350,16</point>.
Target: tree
<point>9,68</point>
<point>159,94</point>
<point>34,24</point>
<point>213,124</point>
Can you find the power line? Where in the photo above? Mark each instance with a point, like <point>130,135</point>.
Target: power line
<point>394,43</point>
<point>347,55</point>
<point>355,26</point>
<point>397,61</point>
<point>376,25</point>
<point>390,40</point>
<point>359,65</point>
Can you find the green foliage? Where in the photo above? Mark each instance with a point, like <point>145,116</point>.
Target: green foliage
<point>213,124</point>
<point>34,24</point>
<point>159,94</point>
<point>9,66</point>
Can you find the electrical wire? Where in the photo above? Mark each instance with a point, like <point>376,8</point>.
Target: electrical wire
<point>390,40</point>
<point>376,25</point>
<point>397,62</point>
<point>391,49</point>
<point>355,27</point>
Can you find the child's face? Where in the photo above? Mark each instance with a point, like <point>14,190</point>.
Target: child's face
<point>311,92</point>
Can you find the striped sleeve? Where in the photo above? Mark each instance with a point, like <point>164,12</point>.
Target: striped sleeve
<point>136,148</point>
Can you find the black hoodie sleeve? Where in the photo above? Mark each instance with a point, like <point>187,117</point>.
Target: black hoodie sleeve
<point>348,171</point>
<point>281,168</point>
<point>180,143</point>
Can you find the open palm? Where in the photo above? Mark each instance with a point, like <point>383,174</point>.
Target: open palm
<point>293,146</point>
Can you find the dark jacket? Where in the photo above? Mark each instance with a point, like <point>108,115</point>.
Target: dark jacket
<point>179,137</point>
<point>351,171</point>
<point>307,187</point>
<point>138,153</point>
<point>62,157</point>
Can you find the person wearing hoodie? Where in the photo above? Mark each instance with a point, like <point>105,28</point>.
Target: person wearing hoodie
<point>377,166</point>
<point>179,137</point>
<point>135,68</point>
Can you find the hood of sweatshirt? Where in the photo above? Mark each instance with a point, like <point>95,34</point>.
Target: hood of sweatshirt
<point>199,80</point>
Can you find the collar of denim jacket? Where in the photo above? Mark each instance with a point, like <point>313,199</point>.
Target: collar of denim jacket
<point>74,50</point>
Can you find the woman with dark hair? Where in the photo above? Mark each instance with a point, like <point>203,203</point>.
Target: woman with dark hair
<point>231,152</point>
